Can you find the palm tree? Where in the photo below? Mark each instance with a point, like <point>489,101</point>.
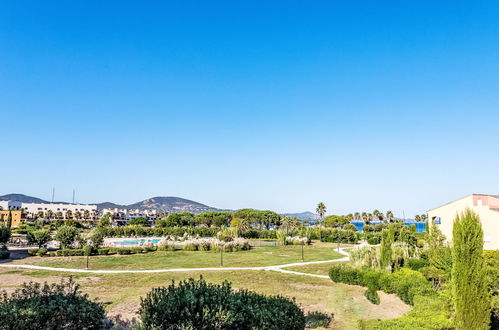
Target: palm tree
<point>69,214</point>
<point>321,210</point>
<point>288,223</point>
<point>389,215</point>
<point>50,214</point>
<point>364,217</point>
<point>356,215</point>
<point>417,218</point>
<point>86,214</point>
<point>424,217</point>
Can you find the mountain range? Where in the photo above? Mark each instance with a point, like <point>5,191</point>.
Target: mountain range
<point>162,204</point>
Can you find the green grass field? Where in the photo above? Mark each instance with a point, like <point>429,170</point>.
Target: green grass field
<point>258,256</point>
<point>121,292</point>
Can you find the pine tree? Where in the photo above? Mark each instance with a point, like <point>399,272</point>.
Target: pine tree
<point>469,279</point>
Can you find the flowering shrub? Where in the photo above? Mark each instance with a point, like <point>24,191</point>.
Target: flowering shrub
<point>297,240</point>
<point>203,244</point>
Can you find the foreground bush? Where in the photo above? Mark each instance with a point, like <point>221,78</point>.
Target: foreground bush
<point>56,306</point>
<point>318,320</point>
<point>430,312</point>
<point>372,296</point>
<point>405,283</point>
<point>200,305</point>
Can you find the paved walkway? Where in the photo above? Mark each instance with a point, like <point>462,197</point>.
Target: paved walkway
<point>277,268</point>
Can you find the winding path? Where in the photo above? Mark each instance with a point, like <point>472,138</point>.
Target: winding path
<point>276,268</point>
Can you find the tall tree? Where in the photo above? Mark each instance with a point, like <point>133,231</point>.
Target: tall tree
<point>9,220</point>
<point>389,215</point>
<point>469,275</point>
<point>321,210</point>
<point>387,239</point>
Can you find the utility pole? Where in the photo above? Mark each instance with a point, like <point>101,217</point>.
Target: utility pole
<point>73,196</point>
<point>302,257</point>
<point>53,193</point>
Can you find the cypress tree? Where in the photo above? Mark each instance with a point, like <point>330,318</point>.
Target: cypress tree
<point>9,220</point>
<point>469,279</point>
<point>387,239</point>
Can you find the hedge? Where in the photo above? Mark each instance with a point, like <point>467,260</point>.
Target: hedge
<point>430,312</point>
<point>340,235</point>
<point>406,283</point>
<point>105,251</point>
<point>130,231</point>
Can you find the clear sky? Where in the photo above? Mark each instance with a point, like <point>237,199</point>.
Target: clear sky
<point>265,104</point>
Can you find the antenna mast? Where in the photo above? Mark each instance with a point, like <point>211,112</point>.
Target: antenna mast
<point>73,196</point>
<point>53,193</point>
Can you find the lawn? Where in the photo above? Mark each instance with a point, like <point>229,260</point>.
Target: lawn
<point>258,256</point>
<point>317,269</point>
<point>121,292</point>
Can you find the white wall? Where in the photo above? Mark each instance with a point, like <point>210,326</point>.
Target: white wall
<point>489,219</point>
<point>37,207</point>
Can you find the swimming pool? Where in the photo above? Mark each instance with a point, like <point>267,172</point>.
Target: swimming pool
<point>420,226</point>
<point>137,242</point>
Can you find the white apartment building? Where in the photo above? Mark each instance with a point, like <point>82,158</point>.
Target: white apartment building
<point>35,208</point>
<point>487,208</point>
<point>10,205</point>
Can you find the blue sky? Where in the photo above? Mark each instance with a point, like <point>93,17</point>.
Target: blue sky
<point>264,104</point>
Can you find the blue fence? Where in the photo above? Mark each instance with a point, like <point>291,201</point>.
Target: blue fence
<point>420,226</point>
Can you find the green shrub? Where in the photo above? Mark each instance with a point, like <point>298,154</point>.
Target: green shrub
<point>372,296</point>
<point>87,250</point>
<point>200,305</point>
<point>56,306</point>
<point>416,263</point>
<point>373,240</point>
<point>32,252</point>
<point>103,251</point>
<point>135,250</point>
<point>167,247</point>
<point>70,252</point>
<point>147,249</point>
<point>430,312</point>
<point>123,251</point>
<point>318,320</point>
<point>405,283</point>
<point>41,252</point>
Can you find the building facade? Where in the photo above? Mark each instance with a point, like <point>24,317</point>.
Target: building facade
<point>17,217</point>
<point>487,208</point>
<point>10,205</point>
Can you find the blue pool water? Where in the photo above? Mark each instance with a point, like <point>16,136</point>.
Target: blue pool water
<point>420,226</point>
<point>136,242</point>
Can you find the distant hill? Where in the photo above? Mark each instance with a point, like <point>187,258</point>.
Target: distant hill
<point>305,216</point>
<point>163,204</point>
<point>21,198</point>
